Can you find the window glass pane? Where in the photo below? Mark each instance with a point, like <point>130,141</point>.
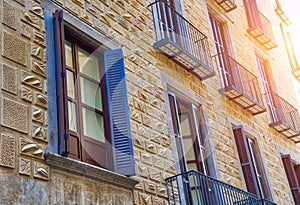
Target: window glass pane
<point>90,93</point>
<point>88,64</point>
<point>68,53</point>
<point>72,116</point>
<point>189,149</point>
<point>93,125</point>
<point>192,166</point>
<point>185,124</point>
<point>71,84</point>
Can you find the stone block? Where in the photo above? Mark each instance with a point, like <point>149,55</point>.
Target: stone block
<point>39,133</point>
<point>7,151</point>
<point>39,68</point>
<point>32,80</point>
<point>9,15</point>
<point>9,79</point>
<point>14,115</point>
<point>30,148</point>
<point>41,100</point>
<point>38,115</point>
<point>24,166</point>
<point>14,48</point>
<point>41,171</point>
<point>26,94</point>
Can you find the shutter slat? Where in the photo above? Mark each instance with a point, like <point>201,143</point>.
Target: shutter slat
<point>245,160</point>
<point>119,113</point>
<point>62,99</point>
<point>292,177</point>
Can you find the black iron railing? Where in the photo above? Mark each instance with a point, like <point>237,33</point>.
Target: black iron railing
<point>283,115</point>
<point>194,188</point>
<point>181,40</point>
<point>236,75</point>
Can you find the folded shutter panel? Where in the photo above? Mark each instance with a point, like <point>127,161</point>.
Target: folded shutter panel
<point>62,99</point>
<point>119,113</point>
<point>292,178</point>
<point>245,159</point>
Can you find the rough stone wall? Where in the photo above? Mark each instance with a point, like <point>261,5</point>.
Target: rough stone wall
<point>24,101</point>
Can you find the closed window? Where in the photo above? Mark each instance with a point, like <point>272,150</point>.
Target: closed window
<point>293,175</point>
<point>251,163</point>
<point>92,102</point>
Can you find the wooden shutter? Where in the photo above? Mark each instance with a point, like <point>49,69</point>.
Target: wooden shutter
<point>119,113</point>
<point>291,176</point>
<point>245,160</point>
<point>62,99</point>
<point>176,131</point>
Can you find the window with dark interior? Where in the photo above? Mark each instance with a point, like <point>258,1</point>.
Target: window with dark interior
<point>92,102</point>
<point>251,163</point>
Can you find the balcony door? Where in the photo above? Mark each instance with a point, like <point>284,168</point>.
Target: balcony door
<point>268,87</point>
<point>188,136</point>
<point>221,46</point>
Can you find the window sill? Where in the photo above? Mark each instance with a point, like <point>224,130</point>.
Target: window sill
<point>69,165</point>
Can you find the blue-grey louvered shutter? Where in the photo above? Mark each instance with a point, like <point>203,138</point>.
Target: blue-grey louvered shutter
<point>119,113</point>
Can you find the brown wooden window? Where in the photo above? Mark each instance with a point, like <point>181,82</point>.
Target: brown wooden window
<point>251,163</point>
<point>92,102</point>
<point>293,175</point>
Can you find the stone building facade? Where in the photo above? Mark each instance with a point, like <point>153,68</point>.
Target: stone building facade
<point>209,86</point>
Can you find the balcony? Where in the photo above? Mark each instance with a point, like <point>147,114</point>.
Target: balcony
<point>260,28</point>
<point>195,188</point>
<point>240,85</point>
<point>282,15</point>
<point>283,117</point>
<point>227,5</point>
<point>181,41</point>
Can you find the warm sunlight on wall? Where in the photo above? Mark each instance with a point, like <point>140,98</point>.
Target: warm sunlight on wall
<point>292,8</point>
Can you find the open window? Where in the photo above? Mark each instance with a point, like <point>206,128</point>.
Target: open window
<point>93,123</point>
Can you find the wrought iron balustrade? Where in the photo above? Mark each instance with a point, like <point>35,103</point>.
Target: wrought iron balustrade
<point>240,85</point>
<point>182,42</point>
<point>284,117</point>
<point>260,28</point>
<point>194,188</point>
<point>282,15</point>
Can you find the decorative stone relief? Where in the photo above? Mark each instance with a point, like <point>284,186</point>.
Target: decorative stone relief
<point>29,79</point>
<point>89,8</point>
<point>157,201</point>
<point>104,19</point>
<point>37,51</point>
<point>143,131</point>
<point>155,175</point>
<point>162,191</point>
<point>39,68</point>
<point>7,151</point>
<point>9,79</point>
<point>9,15</point>
<point>40,133</point>
<point>158,162</point>
<point>150,187</point>
<point>162,151</point>
<point>86,17</point>
<point>29,148</point>
<point>36,9</point>
<point>41,171</point>
<point>146,158</point>
<point>22,2</point>
<point>26,30</point>
<point>135,115</point>
<point>166,141</point>
<point>39,38</point>
<point>154,102</point>
<point>24,166</point>
<point>139,142</point>
<point>38,115</point>
<point>122,22</point>
<point>139,105</point>
<point>150,147</point>
<point>14,115</point>
<point>155,137</point>
<point>145,198</point>
<point>10,43</point>
<point>140,185</point>
<point>41,100</point>
<point>142,170</point>
<point>26,94</point>
<point>146,121</point>
<point>31,19</point>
